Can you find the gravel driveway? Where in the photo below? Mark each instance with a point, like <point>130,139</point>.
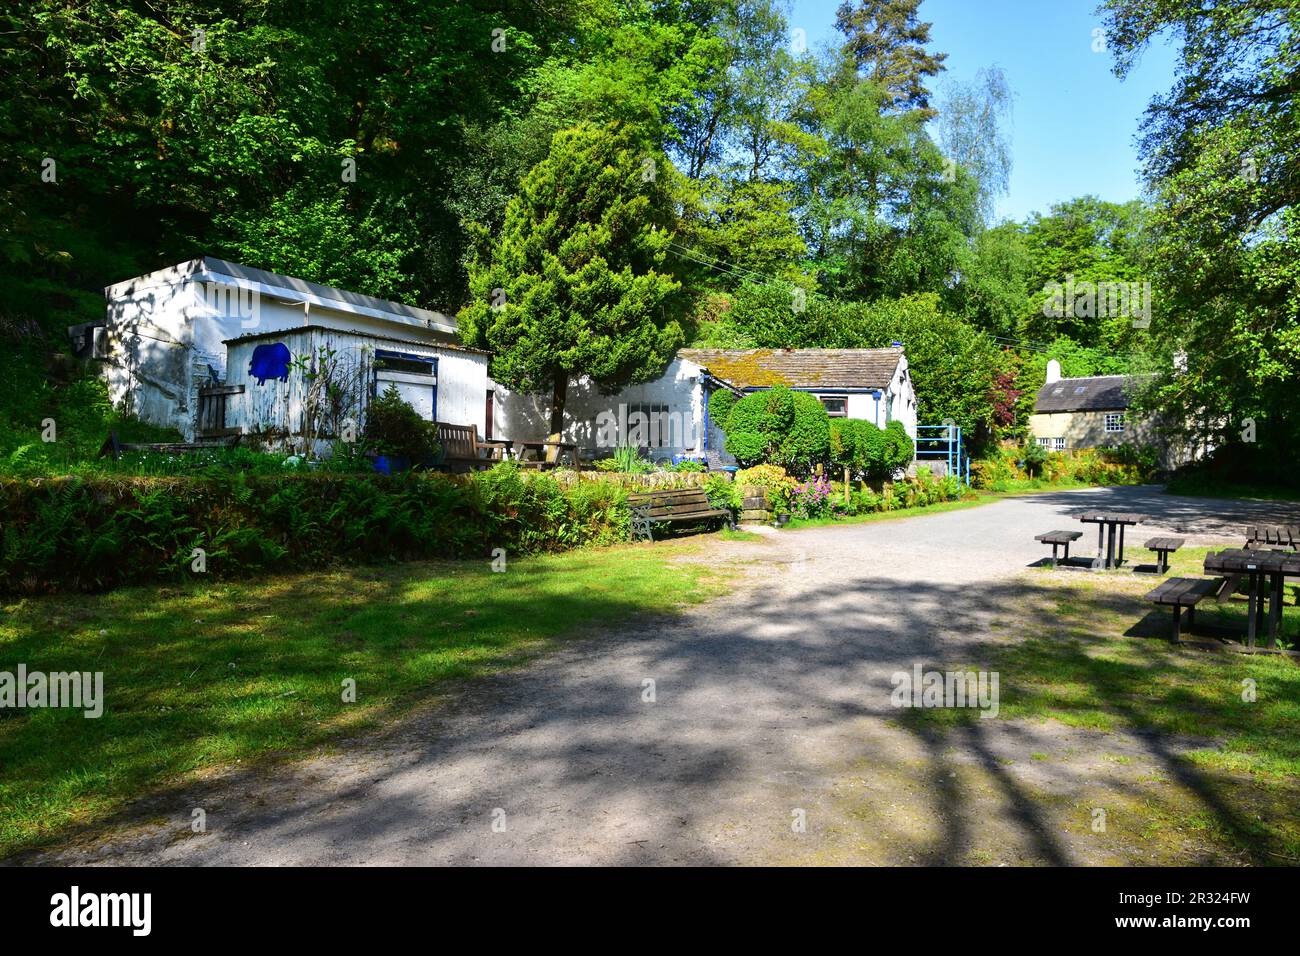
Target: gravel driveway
<point>771,707</point>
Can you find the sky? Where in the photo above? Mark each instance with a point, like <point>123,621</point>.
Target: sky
<point>1074,123</point>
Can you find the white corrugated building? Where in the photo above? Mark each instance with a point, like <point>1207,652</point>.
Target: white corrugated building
<point>669,415</point>
<point>185,337</point>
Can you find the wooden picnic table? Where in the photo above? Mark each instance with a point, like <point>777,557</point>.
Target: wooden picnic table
<point>1258,565</point>
<point>538,448</point>
<point>1111,524</point>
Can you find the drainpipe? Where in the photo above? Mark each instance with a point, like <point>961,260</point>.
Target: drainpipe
<point>704,401</point>
<point>306,312</point>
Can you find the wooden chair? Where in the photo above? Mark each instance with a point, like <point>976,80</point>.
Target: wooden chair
<point>461,447</point>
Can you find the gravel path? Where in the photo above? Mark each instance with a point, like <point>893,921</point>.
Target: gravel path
<point>771,705</point>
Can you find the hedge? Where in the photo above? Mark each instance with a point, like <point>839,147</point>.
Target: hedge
<point>102,532</point>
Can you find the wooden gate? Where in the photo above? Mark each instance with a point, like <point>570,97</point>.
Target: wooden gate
<point>212,411</point>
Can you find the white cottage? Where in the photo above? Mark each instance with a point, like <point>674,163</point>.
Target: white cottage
<point>212,348</point>
<point>671,413</point>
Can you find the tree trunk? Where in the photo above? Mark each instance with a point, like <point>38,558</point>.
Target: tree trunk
<point>558,395</point>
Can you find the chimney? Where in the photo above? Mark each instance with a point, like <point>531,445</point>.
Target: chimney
<point>1053,371</point>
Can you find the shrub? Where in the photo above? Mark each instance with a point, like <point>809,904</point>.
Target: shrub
<point>869,451</point>
<point>1000,470</point>
<point>721,402</point>
<point>780,427</point>
<point>626,460</point>
<point>811,499</point>
<point>394,428</point>
<point>723,493</point>
<point>1034,457</point>
<point>773,480</point>
<point>96,533</point>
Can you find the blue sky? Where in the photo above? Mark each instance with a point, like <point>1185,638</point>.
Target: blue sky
<point>1074,123</point>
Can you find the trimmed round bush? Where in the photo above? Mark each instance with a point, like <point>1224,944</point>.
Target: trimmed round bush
<point>780,427</point>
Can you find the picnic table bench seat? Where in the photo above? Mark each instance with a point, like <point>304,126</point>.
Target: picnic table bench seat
<point>1058,538</point>
<point>1163,547</point>
<point>1272,536</point>
<point>670,505</point>
<point>1179,593</point>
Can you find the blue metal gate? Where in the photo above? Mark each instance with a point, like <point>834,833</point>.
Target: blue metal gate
<point>944,443</point>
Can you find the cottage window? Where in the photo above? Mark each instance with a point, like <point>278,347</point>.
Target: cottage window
<point>837,406</point>
<point>1115,422</point>
<point>1052,444</point>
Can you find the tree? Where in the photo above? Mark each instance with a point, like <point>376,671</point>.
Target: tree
<point>971,132</point>
<point>882,212</point>
<point>1221,149</point>
<point>887,43</point>
<point>1086,240</point>
<point>572,286</point>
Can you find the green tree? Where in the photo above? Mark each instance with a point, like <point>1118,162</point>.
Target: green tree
<point>572,286</point>
<point>888,45</point>
<point>1221,148</point>
<point>971,121</point>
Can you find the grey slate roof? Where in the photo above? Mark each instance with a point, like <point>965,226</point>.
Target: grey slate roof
<point>1093,394</point>
<point>799,368</point>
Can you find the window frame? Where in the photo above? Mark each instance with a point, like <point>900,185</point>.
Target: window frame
<point>844,399</point>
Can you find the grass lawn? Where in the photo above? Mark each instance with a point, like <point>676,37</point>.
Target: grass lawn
<point>199,678</point>
<point>1085,649</point>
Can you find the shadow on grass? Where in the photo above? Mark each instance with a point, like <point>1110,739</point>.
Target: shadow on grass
<point>578,727</point>
<point>197,677</point>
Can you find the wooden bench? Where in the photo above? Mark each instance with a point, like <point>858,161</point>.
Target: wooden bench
<point>1179,593</point>
<point>1163,547</point>
<point>1272,536</point>
<point>671,505</point>
<point>1058,538</point>
<point>115,448</point>
<point>461,447</point>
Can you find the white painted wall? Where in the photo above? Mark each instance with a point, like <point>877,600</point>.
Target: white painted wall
<point>166,333</point>
<point>523,416</point>
<point>526,416</point>
<point>278,406</point>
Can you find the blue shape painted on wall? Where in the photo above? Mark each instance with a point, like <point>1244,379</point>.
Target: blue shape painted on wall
<point>270,361</point>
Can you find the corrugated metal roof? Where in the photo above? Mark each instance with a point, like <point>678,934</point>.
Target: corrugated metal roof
<point>799,368</point>
<point>295,289</point>
<point>303,287</point>
<point>1092,394</point>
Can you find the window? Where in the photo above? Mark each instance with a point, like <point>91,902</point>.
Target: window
<point>889,407</point>
<point>837,406</point>
<point>1114,421</point>
<point>1052,444</point>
